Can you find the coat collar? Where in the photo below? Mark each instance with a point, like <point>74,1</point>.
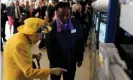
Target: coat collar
<point>24,39</point>
<point>54,27</point>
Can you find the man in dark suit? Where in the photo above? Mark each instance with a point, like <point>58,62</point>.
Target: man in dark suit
<point>30,13</point>
<point>84,19</point>
<point>27,7</point>
<point>41,10</point>
<point>65,43</point>
<point>15,12</point>
<point>51,10</point>
<point>3,22</point>
<point>10,9</point>
<point>75,11</point>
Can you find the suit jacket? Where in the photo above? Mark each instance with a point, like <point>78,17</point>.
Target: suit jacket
<point>28,13</point>
<point>41,11</point>
<point>18,60</point>
<point>51,11</point>
<point>11,11</point>
<point>59,55</point>
<point>3,15</point>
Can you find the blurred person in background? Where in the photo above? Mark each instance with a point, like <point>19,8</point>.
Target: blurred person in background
<point>65,43</point>
<point>84,19</point>
<point>22,18</point>
<point>27,7</point>
<point>30,12</point>
<point>43,40</point>
<point>51,10</point>
<point>41,9</point>
<point>44,3</point>
<point>3,22</point>
<point>15,12</point>
<point>33,5</point>
<point>75,11</point>
<point>18,55</point>
<point>22,4</point>
<point>10,17</point>
<point>18,10</point>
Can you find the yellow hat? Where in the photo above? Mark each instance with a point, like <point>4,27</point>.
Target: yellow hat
<point>34,25</point>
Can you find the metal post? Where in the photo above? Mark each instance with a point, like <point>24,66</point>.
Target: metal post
<point>112,21</point>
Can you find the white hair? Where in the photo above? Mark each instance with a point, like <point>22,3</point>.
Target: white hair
<point>76,7</point>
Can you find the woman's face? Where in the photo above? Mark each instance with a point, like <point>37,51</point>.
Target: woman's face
<point>46,18</point>
<point>35,38</point>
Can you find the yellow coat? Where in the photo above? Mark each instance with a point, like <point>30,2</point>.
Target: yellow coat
<point>18,60</point>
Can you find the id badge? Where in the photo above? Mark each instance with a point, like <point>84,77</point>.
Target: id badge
<point>73,31</point>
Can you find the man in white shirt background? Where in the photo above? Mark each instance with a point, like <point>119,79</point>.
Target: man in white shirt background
<point>15,12</point>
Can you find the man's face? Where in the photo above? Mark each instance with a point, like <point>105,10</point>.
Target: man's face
<point>53,4</point>
<point>17,3</point>
<point>12,4</point>
<point>40,3</point>
<point>27,3</point>
<point>44,3</point>
<point>63,14</point>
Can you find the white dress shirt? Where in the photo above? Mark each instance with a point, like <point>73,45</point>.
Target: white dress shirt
<point>17,13</point>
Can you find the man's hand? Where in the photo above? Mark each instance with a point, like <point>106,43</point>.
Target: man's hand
<point>57,71</point>
<point>79,64</point>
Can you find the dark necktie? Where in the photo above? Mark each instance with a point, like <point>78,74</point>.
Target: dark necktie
<point>18,12</point>
<point>41,12</point>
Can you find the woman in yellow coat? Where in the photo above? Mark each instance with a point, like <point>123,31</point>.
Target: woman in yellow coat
<point>18,55</point>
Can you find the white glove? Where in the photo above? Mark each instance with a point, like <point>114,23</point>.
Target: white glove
<point>57,71</point>
<point>123,64</point>
<point>37,14</point>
